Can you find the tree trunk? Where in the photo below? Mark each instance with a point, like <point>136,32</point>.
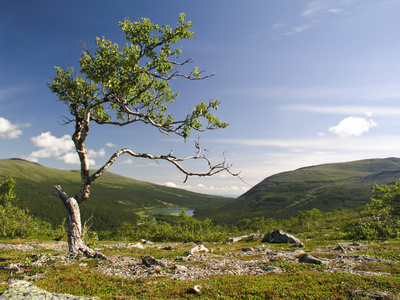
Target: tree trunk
<point>74,230</point>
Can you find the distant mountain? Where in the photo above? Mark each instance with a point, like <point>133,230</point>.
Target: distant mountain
<point>114,199</point>
<point>327,187</point>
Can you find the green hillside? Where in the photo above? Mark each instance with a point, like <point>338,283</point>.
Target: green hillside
<point>326,187</point>
<point>114,199</point>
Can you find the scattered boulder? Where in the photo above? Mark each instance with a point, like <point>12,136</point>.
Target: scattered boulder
<point>149,261</point>
<point>194,290</point>
<point>273,269</point>
<point>236,239</point>
<point>299,245</point>
<point>248,249</point>
<point>340,248</point>
<point>279,236</point>
<point>252,236</point>
<point>180,268</point>
<point>355,244</point>
<point>146,242</point>
<point>10,267</point>
<point>182,258</point>
<point>135,245</point>
<point>19,289</point>
<point>309,259</point>
<point>198,248</point>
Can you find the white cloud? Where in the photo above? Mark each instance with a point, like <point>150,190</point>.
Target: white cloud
<point>170,184</point>
<point>128,161</point>
<point>110,145</point>
<point>9,130</point>
<point>227,190</point>
<point>60,148</point>
<point>92,154</point>
<point>52,146</point>
<point>32,159</point>
<point>70,158</point>
<point>353,126</point>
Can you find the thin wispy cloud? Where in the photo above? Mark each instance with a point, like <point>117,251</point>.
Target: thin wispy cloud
<point>371,143</point>
<point>276,26</point>
<point>312,8</point>
<point>298,29</point>
<point>9,92</point>
<point>359,93</point>
<point>313,14</point>
<point>345,110</point>
<point>317,9</point>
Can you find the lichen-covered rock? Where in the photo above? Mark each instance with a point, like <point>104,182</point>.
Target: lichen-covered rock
<point>194,290</point>
<point>279,236</point>
<point>19,289</point>
<point>309,259</point>
<point>273,269</point>
<point>198,248</point>
<point>11,267</point>
<point>252,236</point>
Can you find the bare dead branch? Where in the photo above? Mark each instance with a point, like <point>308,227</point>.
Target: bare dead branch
<point>212,169</point>
<point>66,120</point>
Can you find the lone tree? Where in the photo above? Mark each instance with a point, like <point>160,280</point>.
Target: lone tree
<point>125,86</point>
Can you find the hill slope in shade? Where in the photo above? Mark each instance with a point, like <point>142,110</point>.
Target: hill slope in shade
<point>327,187</point>
<point>114,199</point>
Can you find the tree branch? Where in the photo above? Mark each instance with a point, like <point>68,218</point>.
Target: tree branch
<point>212,169</point>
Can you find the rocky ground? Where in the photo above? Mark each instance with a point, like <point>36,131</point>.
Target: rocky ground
<point>189,261</point>
<point>204,262</point>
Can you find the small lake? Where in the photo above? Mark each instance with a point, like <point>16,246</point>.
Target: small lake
<point>189,212</point>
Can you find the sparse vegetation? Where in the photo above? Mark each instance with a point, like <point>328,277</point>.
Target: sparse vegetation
<point>295,281</point>
<point>17,222</point>
<point>354,270</point>
<point>381,219</point>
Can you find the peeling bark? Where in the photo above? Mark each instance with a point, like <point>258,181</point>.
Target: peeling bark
<point>74,230</point>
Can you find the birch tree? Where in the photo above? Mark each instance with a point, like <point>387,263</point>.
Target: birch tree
<point>122,86</point>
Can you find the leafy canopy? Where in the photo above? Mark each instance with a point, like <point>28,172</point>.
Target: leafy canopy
<point>7,194</point>
<point>383,215</point>
<point>385,202</point>
<point>121,85</point>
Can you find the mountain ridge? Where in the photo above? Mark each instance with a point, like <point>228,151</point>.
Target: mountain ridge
<point>114,198</point>
<point>327,187</point>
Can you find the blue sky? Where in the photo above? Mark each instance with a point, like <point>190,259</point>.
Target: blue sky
<point>300,82</point>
